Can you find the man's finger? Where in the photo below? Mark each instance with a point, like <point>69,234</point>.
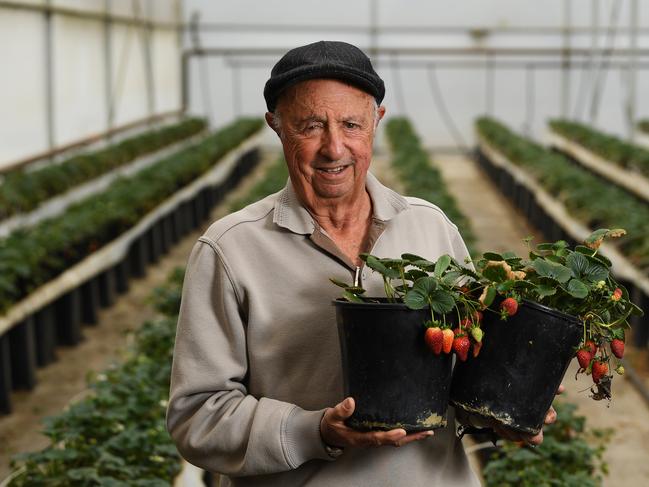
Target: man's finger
<point>414,437</point>
<point>560,389</point>
<point>550,416</point>
<point>342,410</point>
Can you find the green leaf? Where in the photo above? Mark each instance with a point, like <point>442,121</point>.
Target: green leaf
<point>352,298</point>
<point>493,256</point>
<point>442,264</point>
<point>509,255</point>
<point>451,277</point>
<point>491,295</point>
<point>442,301</point>
<point>495,273</point>
<point>552,270</point>
<point>411,257</point>
<point>418,296</point>
<point>338,283</point>
<point>375,264</point>
<point>577,288</point>
<point>414,274</point>
<point>544,290</point>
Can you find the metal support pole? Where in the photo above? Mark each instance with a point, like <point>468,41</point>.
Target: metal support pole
<point>108,69</point>
<point>236,89</point>
<point>49,77</point>
<point>633,70</point>
<point>373,29</point>
<point>529,100</point>
<point>490,94</point>
<point>565,71</point>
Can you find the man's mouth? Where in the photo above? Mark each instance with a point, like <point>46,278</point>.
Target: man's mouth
<point>332,170</point>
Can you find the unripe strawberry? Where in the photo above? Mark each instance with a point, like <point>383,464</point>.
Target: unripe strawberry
<point>461,347</point>
<point>617,347</point>
<point>600,369</point>
<point>477,333</point>
<point>434,339</point>
<point>617,294</point>
<point>620,370</point>
<point>448,337</point>
<point>584,357</point>
<point>509,307</point>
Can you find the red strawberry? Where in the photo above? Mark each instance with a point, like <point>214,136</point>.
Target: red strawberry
<point>434,339</point>
<point>461,346</point>
<point>477,317</point>
<point>600,369</point>
<point>448,340</point>
<point>509,306</point>
<point>476,348</point>
<point>617,347</point>
<point>591,346</point>
<point>617,294</point>
<point>584,357</point>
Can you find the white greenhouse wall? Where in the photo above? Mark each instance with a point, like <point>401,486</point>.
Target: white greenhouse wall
<point>78,85</point>
<point>463,89</point>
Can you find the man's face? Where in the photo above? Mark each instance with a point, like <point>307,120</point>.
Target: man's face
<point>327,130</point>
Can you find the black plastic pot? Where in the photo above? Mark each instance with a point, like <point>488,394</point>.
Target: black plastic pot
<point>521,364</point>
<point>396,381</point>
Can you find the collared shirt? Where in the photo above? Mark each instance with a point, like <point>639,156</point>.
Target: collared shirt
<point>257,356</point>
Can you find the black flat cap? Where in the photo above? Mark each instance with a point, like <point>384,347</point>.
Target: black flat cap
<point>323,59</point>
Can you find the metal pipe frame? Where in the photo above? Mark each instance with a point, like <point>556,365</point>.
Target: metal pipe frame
<point>87,15</point>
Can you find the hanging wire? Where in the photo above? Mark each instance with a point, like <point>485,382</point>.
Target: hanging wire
<point>530,99</point>
<point>398,89</point>
<point>600,78</point>
<point>145,38</point>
<point>121,69</point>
<point>443,110</point>
<point>203,72</point>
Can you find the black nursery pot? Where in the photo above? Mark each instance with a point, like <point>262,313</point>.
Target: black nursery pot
<point>521,364</point>
<point>396,381</point>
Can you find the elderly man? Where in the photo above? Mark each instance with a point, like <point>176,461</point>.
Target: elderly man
<point>256,390</point>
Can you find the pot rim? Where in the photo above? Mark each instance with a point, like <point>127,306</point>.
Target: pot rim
<point>381,305</point>
<point>551,311</point>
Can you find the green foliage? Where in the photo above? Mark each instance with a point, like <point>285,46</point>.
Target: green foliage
<point>609,147</point>
<point>31,257</point>
<point>116,436</point>
<point>643,125</point>
<point>570,455</point>
<point>589,198</point>
<point>272,181</point>
<point>420,177</point>
<point>23,189</point>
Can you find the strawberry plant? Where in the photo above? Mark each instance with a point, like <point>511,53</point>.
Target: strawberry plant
<point>577,282</point>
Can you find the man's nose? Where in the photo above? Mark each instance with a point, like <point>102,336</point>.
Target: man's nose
<point>333,144</point>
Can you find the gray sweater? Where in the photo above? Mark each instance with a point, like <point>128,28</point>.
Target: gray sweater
<point>257,357</point>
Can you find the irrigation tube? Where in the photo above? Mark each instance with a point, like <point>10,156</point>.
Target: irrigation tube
<point>114,252</point>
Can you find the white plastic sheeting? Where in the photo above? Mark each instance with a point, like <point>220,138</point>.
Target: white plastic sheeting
<point>80,105</point>
<point>453,24</point>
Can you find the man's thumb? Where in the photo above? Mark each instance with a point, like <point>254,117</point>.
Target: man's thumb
<point>344,409</point>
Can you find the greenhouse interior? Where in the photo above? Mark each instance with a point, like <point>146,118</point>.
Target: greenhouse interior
<point>423,186</point>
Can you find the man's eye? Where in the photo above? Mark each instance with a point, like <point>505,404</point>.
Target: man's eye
<point>351,125</point>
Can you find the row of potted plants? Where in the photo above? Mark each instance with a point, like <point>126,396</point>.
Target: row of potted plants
<point>609,147</point>
<point>588,198</point>
<point>30,257</point>
<point>420,178</point>
<point>273,180</point>
<point>513,322</point>
<point>22,190</point>
<point>117,434</point>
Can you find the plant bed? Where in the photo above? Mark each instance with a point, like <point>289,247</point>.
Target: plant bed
<point>388,369</point>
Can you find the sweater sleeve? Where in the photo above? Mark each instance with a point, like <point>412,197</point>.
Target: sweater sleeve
<point>214,422</point>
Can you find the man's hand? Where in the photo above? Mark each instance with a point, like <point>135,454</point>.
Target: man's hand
<point>334,432</point>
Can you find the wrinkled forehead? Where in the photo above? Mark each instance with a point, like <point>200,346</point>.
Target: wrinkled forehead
<point>322,94</point>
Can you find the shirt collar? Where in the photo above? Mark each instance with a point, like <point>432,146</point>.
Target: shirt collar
<point>290,214</point>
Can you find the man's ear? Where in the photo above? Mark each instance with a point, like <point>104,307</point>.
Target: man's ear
<point>380,113</point>
<point>270,119</point>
